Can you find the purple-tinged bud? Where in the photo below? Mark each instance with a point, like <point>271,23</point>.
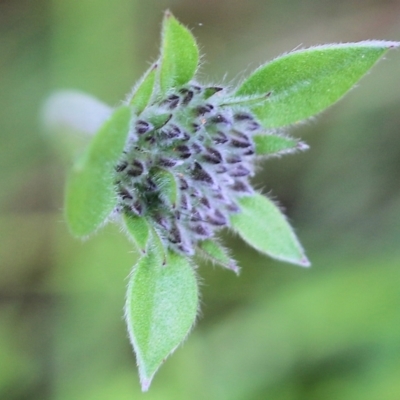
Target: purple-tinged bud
<point>172,131</point>
<point>212,156</point>
<point>218,119</point>
<point>204,201</point>
<point>201,110</point>
<point>183,185</point>
<point>217,218</point>
<point>200,230</point>
<point>239,171</point>
<point>175,235</point>
<point>249,152</point>
<point>136,169</point>
<point>187,96</point>
<point>220,138</point>
<point>240,186</point>
<point>243,116</point>
<point>199,174</point>
<point>233,159</point>
<point>171,101</point>
<point>240,143</point>
<point>184,151</point>
<point>197,148</point>
<point>167,162</point>
<point>220,169</point>
<point>142,126</point>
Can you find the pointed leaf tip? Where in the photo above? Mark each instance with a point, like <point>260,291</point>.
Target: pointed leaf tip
<point>262,225</point>
<point>161,308</point>
<point>305,82</point>
<point>179,54</point>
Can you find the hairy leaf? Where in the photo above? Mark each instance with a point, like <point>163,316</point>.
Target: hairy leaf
<point>272,144</point>
<point>161,308</point>
<point>215,253</point>
<point>179,54</point>
<point>143,90</point>
<point>138,229</point>
<point>90,194</point>
<point>262,225</point>
<point>305,82</point>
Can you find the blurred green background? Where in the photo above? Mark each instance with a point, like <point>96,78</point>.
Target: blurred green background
<point>278,331</point>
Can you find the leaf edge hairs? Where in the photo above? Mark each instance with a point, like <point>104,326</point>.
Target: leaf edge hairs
<point>173,165</point>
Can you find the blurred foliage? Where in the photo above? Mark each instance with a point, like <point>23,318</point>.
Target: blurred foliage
<point>277,331</point>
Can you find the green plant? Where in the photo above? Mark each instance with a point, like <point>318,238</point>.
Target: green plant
<point>173,166</point>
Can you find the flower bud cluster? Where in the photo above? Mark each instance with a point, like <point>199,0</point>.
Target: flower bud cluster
<point>206,150</point>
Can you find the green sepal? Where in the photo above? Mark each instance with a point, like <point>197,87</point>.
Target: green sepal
<point>90,193</point>
<point>214,252</point>
<point>143,90</point>
<point>138,230</point>
<point>167,185</point>
<point>159,120</point>
<point>161,308</point>
<point>179,54</point>
<point>273,144</point>
<point>305,82</point>
<point>263,226</point>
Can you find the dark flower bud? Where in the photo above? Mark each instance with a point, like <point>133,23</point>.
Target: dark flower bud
<point>199,174</point>
<point>240,186</point>
<point>171,101</point>
<point>239,171</point>
<point>183,185</point>
<point>221,169</point>
<point>217,219</point>
<point>172,131</point>
<point>187,96</point>
<point>175,235</point>
<point>233,159</point>
<point>142,126</point>
<point>200,230</point>
<point>204,201</point>
<point>220,138</point>
<point>196,148</point>
<point>212,156</point>
<point>184,151</point>
<point>218,119</point>
<point>243,116</point>
<point>167,162</point>
<point>201,110</point>
<point>135,169</point>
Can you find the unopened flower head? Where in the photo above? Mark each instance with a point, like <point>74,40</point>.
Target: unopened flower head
<point>203,148</point>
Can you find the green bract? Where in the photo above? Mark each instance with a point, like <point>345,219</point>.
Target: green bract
<point>174,166</point>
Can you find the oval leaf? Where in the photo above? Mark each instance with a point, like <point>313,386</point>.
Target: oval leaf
<point>273,145</point>
<point>161,308</point>
<point>142,92</point>
<point>305,82</point>
<point>90,194</point>
<point>179,54</point>
<point>262,225</point>
<point>139,230</point>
